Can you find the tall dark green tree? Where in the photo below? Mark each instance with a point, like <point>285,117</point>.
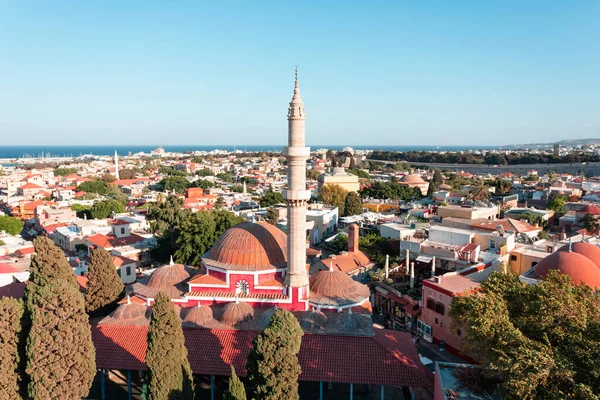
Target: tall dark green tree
<point>352,204</point>
<point>104,288</point>
<point>271,216</point>
<point>437,179</point>
<point>103,209</point>
<point>165,216</point>
<point>542,340</point>
<point>177,183</point>
<point>60,353</point>
<point>272,365</point>
<point>13,381</point>
<point>236,389</point>
<point>169,372</point>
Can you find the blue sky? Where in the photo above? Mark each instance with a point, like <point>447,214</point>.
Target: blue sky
<point>371,73</point>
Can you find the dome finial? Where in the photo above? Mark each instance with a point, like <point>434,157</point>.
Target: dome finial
<point>171,260</point>
<point>350,311</point>
<point>330,265</point>
<point>570,245</point>
<point>128,299</point>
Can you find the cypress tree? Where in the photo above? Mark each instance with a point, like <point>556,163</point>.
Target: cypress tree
<point>48,266</point>
<point>13,381</point>
<point>236,390</point>
<point>272,365</point>
<point>104,288</point>
<point>352,205</point>
<point>169,372</point>
<point>60,353</point>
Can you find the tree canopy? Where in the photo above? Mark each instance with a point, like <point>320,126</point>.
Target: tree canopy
<point>270,198</point>
<point>557,203</point>
<point>542,341</point>
<point>10,225</point>
<point>104,288</point>
<point>179,184</point>
<point>235,389</point>
<point>13,381</point>
<point>64,171</point>
<point>333,195</point>
<point>390,190</point>
<point>352,204</point>
<point>169,372</point>
<point>165,216</point>
<point>272,365</point>
<point>103,209</point>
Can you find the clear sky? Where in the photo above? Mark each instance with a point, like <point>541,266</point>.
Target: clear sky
<point>371,72</point>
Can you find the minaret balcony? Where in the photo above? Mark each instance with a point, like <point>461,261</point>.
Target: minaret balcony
<point>296,151</point>
<point>296,195</point>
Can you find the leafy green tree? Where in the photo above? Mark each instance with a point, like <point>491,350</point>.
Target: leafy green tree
<point>557,203</point>
<point>177,183</point>
<point>270,198</point>
<point>165,216</point>
<point>13,381</point>
<point>271,216</point>
<point>10,225</point>
<point>102,209</point>
<point>60,353</point>
<point>531,337</point>
<point>227,177</point>
<point>204,172</point>
<point>236,389</point>
<point>272,365</point>
<point>94,186</point>
<point>169,372</point>
<point>202,183</point>
<point>129,173</point>
<point>219,203</point>
<point>82,211</point>
<point>480,193</point>
<point>64,171</point>
<point>437,178</point>
<point>108,178</point>
<point>358,172</point>
<point>312,174</point>
<point>104,288</point>
<point>333,195</point>
<point>590,223</point>
<point>390,190</point>
<point>352,204</point>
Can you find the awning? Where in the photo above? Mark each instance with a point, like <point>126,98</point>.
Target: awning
<point>424,258</point>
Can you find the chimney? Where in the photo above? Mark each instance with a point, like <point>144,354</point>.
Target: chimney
<point>353,233</point>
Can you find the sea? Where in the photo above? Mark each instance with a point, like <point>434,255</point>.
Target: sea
<point>41,151</point>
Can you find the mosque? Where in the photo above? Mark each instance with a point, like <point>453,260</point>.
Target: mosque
<point>253,269</point>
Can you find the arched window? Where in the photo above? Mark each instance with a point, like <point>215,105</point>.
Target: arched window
<point>241,287</point>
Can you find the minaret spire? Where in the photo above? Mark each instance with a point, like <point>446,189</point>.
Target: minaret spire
<point>116,165</point>
<point>296,196</point>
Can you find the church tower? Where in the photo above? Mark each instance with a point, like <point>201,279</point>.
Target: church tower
<point>116,165</point>
<point>296,197</point>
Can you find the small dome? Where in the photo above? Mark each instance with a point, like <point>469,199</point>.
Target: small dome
<point>199,317</point>
<point>313,320</point>
<point>580,268</point>
<point>350,322</point>
<point>129,311</point>
<point>585,249</point>
<point>265,317</point>
<point>336,288</point>
<point>412,178</point>
<point>165,278</point>
<point>249,247</point>
<point>237,312</point>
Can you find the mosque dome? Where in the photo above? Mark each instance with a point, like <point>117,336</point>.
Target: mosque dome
<point>165,278</point>
<point>336,289</point>
<point>580,268</point>
<point>249,247</point>
<point>265,317</point>
<point>585,249</point>
<point>236,312</point>
<point>350,322</point>
<point>199,317</point>
<point>412,178</point>
<point>313,320</point>
<point>129,311</point>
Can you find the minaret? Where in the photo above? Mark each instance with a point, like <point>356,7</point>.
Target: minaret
<point>296,197</point>
<point>116,165</point>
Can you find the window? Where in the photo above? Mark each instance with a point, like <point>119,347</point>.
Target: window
<point>128,271</point>
<point>435,321</point>
<point>439,308</point>
<point>458,332</point>
<point>241,287</point>
<point>119,272</point>
<point>423,329</point>
<point>513,258</point>
<point>122,231</point>
<point>431,304</point>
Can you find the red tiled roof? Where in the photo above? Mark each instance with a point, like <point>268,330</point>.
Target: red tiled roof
<point>591,209</point>
<point>30,185</point>
<point>120,260</point>
<point>26,250</point>
<point>105,241</point>
<point>388,358</point>
<point>207,280</point>
<point>8,269</point>
<point>82,281</point>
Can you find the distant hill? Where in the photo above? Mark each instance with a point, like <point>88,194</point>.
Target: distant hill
<point>564,142</point>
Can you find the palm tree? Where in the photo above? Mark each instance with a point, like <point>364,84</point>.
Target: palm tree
<point>480,193</point>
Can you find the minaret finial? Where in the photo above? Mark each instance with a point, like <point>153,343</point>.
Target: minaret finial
<point>570,245</point>
<point>296,72</point>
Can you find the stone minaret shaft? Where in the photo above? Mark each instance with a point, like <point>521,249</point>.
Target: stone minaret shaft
<point>296,195</point>
<point>116,165</point>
